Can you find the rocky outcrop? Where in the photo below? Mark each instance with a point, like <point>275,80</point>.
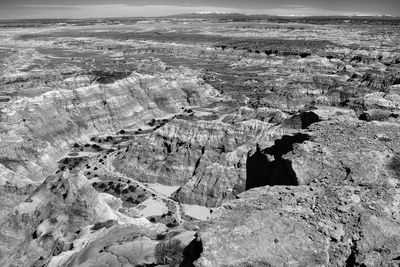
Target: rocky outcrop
<point>38,129</point>
<point>267,167</point>
<point>57,218</point>
<point>213,161</point>
<point>206,158</point>
<point>313,226</point>
<point>350,169</point>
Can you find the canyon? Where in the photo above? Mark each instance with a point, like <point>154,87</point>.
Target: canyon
<point>234,140</point>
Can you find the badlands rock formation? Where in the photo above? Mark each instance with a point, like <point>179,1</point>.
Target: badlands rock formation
<point>200,141</point>
<point>346,215</point>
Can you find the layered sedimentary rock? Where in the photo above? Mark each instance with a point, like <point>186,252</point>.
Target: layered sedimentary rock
<point>39,127</point>
<point>65,214</point>
<point>206,158</point>
<point>48,122</point>
<point>276,142</point>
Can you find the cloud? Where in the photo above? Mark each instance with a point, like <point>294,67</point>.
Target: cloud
<point>96,11</point>
<point>129,8</point>
<point>69,6</point>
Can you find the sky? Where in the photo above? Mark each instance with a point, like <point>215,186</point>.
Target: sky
<point>17,9</point>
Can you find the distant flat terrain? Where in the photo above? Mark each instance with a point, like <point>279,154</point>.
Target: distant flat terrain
<point>200,140</point>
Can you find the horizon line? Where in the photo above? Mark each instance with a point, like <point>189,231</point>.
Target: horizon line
<point>215,13</point>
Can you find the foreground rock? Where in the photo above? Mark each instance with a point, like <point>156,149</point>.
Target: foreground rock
<point>333,226</point>
<point>345,216</point>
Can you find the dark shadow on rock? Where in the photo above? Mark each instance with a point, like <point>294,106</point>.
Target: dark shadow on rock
<point>302,120</point>
<point>262,171</point>
<point>308,118</point>
<point>106,77</point>
<point>394,164</point>
<point>192,252</point>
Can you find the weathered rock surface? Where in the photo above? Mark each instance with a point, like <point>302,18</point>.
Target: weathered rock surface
<point>206,158</point>
<point>285,132</point>
<point>57,218</point>
<point>48,121</point>
<point>304,225</point>
<point>345,215</point>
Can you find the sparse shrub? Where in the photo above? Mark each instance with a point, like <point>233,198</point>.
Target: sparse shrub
<point>125,191</point>
<point>106,224</point>
<point>160,237</point>
<point>169,252</point>
<point>171,225</point>
<point>394,165</point>
<point>34,235</point>
<point>152,122</point>
<point>132,188</point>
<point>365,117</point>
<point>375,115</point>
